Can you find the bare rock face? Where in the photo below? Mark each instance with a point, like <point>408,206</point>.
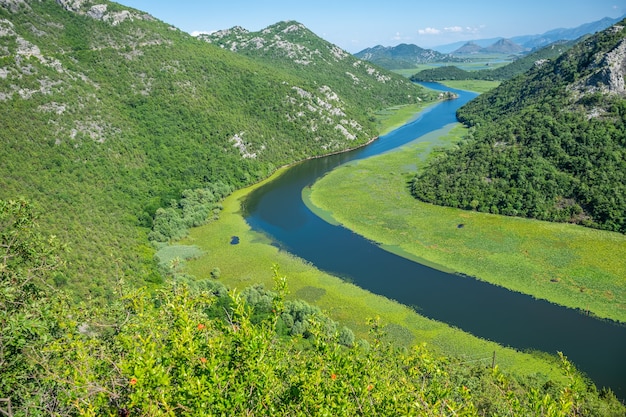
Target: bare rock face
<point>14,5</point>
<point>71,5</point>
<point>614,70</point>
<point>98,11</point>
<point>607,72</point>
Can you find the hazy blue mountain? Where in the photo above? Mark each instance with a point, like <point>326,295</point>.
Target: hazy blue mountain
<point>535,41</point>
<point>402,56</point>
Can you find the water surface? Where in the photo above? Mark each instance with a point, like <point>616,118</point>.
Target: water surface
<point>597,347</point>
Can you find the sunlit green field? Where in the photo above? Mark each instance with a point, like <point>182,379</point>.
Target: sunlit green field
<point>251,261</point>
<point>394,117</point>
<point>565,264</point>
<point>478,86</point>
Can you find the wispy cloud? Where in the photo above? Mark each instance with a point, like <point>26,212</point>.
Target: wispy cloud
<point>449,29</point>
<point>400,37</point>
<point>429,31</point>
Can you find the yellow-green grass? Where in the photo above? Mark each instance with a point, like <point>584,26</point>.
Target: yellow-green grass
<point>566,264</point>
<point>251,261</point>
<point>477,86</point>
<point>394,117</point>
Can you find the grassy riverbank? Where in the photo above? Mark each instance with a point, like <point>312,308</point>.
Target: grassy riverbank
<point>477,86</point>
<point>394,117</point>
<point>250,262</point>
<point>565,264</point>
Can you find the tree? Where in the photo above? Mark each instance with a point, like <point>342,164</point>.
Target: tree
<point>27,260</point>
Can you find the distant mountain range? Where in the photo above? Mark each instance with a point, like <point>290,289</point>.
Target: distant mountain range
<point>501,46</point>
<point>406,56</point>
<point>546,144</point>
<point>518,66</point>
<point>402,56</point>
<point>530,42</point>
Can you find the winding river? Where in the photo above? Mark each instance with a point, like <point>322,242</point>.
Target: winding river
<point>597,347</point>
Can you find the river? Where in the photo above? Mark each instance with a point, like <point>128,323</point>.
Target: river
<point>597,347</point>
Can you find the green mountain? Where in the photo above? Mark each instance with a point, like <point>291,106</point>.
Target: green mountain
<point>402,56</point>
<point>548,144</point>
<point>295,49</point>
<point>109,115</point>
<point>501,46</point>
<point>519,66</point>
<point>121,128</point>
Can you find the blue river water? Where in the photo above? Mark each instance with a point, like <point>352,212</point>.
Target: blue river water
<point>597,347</point>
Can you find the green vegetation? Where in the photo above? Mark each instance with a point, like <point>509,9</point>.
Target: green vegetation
<point>546,260</point>
<point>394,117</point>
<point>547,145</point>
<point>200,350</point>
<point>108,129</point>
<point>125,133</point>
<point>501,73</point>
<point>477,86</point>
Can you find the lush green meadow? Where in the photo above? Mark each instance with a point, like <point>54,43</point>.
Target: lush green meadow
<point>251,261</point>
<point>566,264</point>
<point>394,117</point>
<point>478,86</point>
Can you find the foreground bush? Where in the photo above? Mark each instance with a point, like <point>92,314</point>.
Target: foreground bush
<point>200,350</point>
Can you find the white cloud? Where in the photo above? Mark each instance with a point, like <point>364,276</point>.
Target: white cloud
<point>201,32</point>
<point>449,29</point>
<point>429,31</point>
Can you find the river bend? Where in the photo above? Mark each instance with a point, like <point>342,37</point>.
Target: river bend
<point>597,347</point>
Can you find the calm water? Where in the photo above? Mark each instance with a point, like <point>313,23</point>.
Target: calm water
<point>597,347</point>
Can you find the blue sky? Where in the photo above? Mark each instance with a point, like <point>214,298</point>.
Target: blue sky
<point>356,25</point>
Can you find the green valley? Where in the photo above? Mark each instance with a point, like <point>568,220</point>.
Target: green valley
<point>102,130</point>
<point>546,260</point>
<point>131,283</point>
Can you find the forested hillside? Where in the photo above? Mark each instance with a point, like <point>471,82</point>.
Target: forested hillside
<point>549,144</point>
<point>295,49</point>
<point>109,115</point>
<point>517,67</point>
<point>403,56</point>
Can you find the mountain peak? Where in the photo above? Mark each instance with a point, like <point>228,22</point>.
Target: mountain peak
<point>289,38</point>
<point>402,56</point>
<point>604,73</point>
<point>470,47</point>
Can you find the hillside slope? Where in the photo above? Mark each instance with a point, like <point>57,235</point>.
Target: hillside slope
<point>517,67</point>
<point>549,144</point>
<point>289,45</point>
<point>109,114</point>
<point>402,56</point>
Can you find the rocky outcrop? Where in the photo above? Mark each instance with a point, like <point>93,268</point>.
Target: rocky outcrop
<point>99,11</point>
<point>14,5</point>
<point>606,73</point>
